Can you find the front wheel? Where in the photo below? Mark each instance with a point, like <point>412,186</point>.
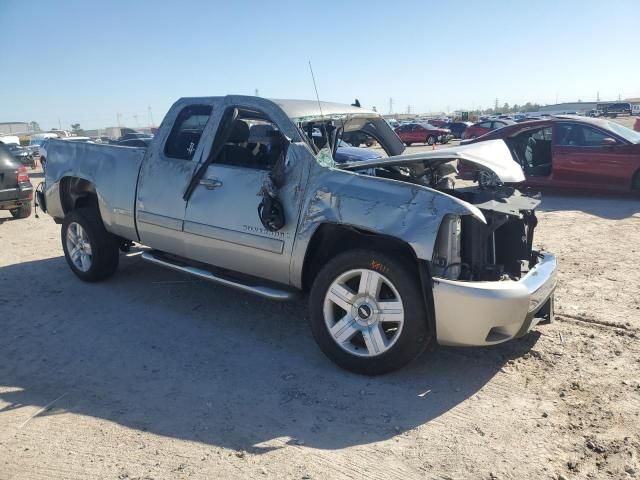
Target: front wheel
<point>91,251</point>
<point>367,312</point>
<point>431,140</point>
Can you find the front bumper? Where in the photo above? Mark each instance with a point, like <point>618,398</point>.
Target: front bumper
<point>487,313</point>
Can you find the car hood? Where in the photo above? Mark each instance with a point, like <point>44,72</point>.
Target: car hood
<point>493,155</point>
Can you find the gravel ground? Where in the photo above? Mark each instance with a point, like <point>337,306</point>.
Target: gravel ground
<point>154,375</point>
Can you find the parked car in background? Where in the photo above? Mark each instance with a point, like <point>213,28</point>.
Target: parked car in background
<point>43,147</point>
<point>486,126</point>
<point>22,154</point>
<point>143,142</point>
<point>346,153</point>
<point>457,128</point>
<point>571,152</point>
<point>423,133</point>
<point>635,109</point>
<point>438,122</point>
<point>16,191</point>
<point>355,139</point>
<point>595,113</point>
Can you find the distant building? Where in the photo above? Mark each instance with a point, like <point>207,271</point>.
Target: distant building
<point>8,128</point>
<point>581,107</point>
<point>113,132</point>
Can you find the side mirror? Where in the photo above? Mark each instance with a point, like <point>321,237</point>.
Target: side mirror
<point>609,141</point>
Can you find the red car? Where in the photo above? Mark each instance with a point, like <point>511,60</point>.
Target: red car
<point>486,126</point>
<point>423,133</point>
<point>571,152</point>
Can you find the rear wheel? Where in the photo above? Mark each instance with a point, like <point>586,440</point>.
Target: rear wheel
<point>23,211</point>
<point>431,140</point>
<point>408,144</point>
<point>91,251</point>
<point>367,312</point>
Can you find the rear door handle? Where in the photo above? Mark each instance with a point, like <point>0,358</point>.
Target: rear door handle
<point>210,183</point>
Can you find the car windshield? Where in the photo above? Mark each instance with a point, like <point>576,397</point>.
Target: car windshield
<point>626,133</point>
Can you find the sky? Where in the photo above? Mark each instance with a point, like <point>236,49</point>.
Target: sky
<point>86,61</point>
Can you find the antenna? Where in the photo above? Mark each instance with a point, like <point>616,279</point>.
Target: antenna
<point>316,88</point>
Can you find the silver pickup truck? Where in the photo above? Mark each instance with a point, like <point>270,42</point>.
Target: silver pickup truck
<point>246,192</point>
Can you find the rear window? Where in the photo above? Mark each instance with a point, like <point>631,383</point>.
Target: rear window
<point>186,132</point>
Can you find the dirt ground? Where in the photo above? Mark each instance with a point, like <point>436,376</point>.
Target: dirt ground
<point>154,375</point>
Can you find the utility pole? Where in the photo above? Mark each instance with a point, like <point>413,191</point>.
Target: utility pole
<point>598,96</point>
<point>390,106</point>
<point>408,109</point>
<point>150,115</point>
<point>118,118</point>
<point>257,93</point>
<point>496,106</point>
<point>59,124</point>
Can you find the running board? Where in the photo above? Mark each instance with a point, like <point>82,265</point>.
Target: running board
<point>263,291</point>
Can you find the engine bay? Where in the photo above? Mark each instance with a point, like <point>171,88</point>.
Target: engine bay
<point>466,248</point>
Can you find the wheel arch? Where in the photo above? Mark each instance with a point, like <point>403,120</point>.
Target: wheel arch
<point>77,192</point>
<point>331,239</point>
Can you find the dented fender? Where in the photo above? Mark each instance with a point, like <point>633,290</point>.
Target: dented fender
<point>409,212</point>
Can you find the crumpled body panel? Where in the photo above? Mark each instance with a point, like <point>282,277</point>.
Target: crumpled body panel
<point>409,212</point>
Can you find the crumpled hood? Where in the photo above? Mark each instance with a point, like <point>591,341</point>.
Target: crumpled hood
<point>493,155</point>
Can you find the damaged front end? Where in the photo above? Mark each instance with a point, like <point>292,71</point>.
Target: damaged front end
<point>489,283</point>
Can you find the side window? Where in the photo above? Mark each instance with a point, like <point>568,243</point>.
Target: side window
<point>593,137</point>
<point>580,136</point>
<point>186,132</point>
<point>543,134</point>
<point>254,143</point>
<point>485,125</point>
<point>497,125</point>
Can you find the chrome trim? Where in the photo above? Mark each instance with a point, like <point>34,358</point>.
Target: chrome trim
<point>159,220</point>
<point>232,236</point>
<point>263,291</point>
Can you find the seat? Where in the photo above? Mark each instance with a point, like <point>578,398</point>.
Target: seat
<point>265,144</point>
<point>233,152</point>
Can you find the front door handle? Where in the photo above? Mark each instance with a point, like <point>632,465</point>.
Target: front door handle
<point>210,183</point>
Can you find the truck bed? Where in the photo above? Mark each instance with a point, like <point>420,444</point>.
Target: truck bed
<point>111,169</point>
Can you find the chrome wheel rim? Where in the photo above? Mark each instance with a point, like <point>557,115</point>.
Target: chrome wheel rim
<point>363,312</point>
<point>79,247</point>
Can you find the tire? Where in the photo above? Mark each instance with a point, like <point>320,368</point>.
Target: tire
<point>401,338</point>
<point>431,140</point>
<point>408,144</point>
<point>21,212</point>
<point>98,254</point>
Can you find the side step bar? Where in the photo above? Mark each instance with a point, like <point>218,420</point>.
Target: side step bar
<point>263,291</point>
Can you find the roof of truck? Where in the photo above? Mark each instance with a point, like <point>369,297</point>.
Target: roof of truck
<point>309,108</point>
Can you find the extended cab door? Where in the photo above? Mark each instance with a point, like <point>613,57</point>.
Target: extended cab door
<point>165,173</point>
<point>222,226</point>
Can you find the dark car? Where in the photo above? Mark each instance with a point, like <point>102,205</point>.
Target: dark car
<point>346,153</point>
<point>423,133</point>
<point>615,109</point>
<point>23,155</point>
<point>457,128</point>
<point>571,152</point>
<point>16,191</point>
<point>355,139</point>
<point>135,142</point>
<point>486,126</point>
